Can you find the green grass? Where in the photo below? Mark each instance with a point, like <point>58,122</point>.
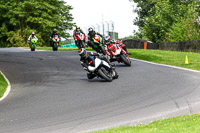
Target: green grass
<point>181,124</point>
<point>168,57</point>
<point>3,85</point>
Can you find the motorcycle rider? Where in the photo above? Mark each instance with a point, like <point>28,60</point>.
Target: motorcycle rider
<point>32,36</point>
<point>91,34</point>
<point>87,58</point>
<point>123,46</point>
<point>78,30</point>
<point>52,35</point>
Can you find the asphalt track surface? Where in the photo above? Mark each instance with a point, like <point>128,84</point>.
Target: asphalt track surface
<point>51,93</point>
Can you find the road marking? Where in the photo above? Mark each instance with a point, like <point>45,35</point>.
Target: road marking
<point>8,87</point>
<point>176,67</point>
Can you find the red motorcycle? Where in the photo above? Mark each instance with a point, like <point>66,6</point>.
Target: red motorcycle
<point>119,54</point>
<point>80,40</point>
<point>56,41</point>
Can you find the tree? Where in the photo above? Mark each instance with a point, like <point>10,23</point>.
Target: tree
<point>156,18</point>
<point>21,17</point>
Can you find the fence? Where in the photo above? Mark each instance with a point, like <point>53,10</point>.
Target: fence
<point>139,44</point>
<point>185,46</point>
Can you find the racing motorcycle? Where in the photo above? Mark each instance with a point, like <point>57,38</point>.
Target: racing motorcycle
<point>100,68</point>
<point>80,40</point>
<point>33,44</point>
<point>98,44</point>
<point>119,54</point>
<point>56,41</point>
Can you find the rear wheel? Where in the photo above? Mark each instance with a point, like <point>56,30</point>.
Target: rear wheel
<point>125,60</point>
<point>103,73</point>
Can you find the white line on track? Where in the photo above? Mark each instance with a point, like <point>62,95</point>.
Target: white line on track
<point>8,87</point>
<point>181,68</point>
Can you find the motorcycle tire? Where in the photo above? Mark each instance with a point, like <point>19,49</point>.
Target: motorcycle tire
<point>125,60</point>
<point>33,48</point>
<point>115,74</point>
<point>104,76</point>
<point>103,50</point>
<point>55,48</point>
<point>82,45</point>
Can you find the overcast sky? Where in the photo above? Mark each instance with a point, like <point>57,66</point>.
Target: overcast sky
<point>89,13</point>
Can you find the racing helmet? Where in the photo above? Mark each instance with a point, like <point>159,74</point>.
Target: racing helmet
<point>77,28</point>
<point>107,38</point>
<point>33,34</point>
<point>91,31</point>
<point>82,52</point>
<point>54,30</point>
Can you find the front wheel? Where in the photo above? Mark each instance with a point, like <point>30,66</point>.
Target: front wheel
<point>125,60</point>
<point>103,49</point>
<point>115,74</point>
<point>33,48</point>
<point>105,75</point>
<point>55,47</point>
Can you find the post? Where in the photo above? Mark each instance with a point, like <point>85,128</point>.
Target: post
<point>103,24</point>
<point>145,45</point>
<point>113,29</point>
<point>98,28</point>
<point>108,27</point>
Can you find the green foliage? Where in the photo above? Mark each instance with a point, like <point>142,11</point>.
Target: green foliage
<point>20,18</point>
<point>168,20</point>
<point>186,28</point>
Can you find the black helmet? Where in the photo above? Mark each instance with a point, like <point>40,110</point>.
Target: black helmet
<point>91,31</point>
<point>83,53</point>
<point>54,30</point>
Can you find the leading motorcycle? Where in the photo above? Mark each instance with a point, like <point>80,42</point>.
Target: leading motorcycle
<point>100,68</point>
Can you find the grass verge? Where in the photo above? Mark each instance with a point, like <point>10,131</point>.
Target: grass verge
<point>181,124</point>
<point>168,57</point>
<point>3,85</point>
